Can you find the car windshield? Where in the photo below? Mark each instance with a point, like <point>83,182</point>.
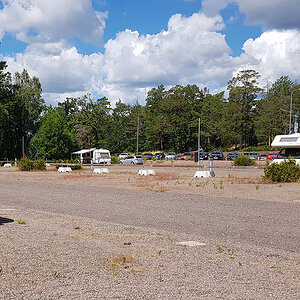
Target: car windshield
<point>289,152</point>
<point>171,153</point>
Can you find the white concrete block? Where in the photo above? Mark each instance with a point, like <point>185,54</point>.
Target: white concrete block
<point>7,165</point>
<point>204,174</point>
<point>144,172</point>
<point>100,171</point>
<point>64,169</point>
<point>48,165</point>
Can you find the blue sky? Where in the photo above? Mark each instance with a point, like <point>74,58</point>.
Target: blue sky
<point>122,48</point>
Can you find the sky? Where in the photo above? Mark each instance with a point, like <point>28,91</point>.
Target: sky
<point>121,49</point>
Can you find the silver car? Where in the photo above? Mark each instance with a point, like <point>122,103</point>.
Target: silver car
<point>132,160</point>
<point>171,156</point>
<point>123,155</point>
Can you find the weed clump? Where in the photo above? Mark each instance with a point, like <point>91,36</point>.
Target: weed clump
<point>287,171</point>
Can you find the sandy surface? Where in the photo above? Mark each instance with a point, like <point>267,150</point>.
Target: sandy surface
<point>58,256</point>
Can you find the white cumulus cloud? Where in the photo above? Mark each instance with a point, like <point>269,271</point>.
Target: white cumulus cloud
<point>275,53</point>
<point>52,20</point>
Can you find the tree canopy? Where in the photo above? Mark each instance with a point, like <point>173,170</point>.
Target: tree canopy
<point>167,122</point>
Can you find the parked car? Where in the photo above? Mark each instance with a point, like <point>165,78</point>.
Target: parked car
<point>148,156</point>
<point>171,156</point>
<point>272,155</point>
<point>186,155</point>
<point>232,155</point>
<point>122,155</point>
<point>252,155</point>
<point>203,155</point>
<point>263,157</point>
<point>132,160</point>
<point>139,160</point>
<point>159,156</point>
<point>216,155</point>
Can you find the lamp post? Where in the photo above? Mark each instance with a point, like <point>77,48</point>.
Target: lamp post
<point>137,131</point>
<point>291,106</point>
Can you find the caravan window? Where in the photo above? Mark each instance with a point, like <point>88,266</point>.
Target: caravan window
<point>104,155</point>
<point>289,152</point>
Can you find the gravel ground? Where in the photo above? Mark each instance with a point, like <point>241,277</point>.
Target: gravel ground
<point>46,255</point>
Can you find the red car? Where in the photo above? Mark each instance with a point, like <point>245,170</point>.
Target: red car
<point>272,155</point>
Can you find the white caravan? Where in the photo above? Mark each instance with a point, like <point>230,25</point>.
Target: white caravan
<point>290,147</point>
<point>101,156</point>
<point>97,156</point>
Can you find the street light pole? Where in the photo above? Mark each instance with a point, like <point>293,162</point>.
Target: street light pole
<point>291,106</point>
<point>198,144</point>
<point>137,132</point>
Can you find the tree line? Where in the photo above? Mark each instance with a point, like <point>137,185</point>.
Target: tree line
<point>168,121</point>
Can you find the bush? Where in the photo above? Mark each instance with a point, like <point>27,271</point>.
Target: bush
<point>287,171</point>
<point>39,164</point>
<point>114,160</point>
<point>26,164</point>
<point>244,161</point>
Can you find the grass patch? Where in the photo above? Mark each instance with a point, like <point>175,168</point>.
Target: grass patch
<point>22,222</point>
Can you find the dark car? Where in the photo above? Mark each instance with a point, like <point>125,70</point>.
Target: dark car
<point>148,156</point>
<point>159,156</point>
<point>232,155</point>
<point>216,155</point>
<point>186,156</point>
<point>252,155</point>
<point>203,155</point>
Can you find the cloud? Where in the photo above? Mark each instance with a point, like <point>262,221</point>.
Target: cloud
<point>271,14</point>
<point>37,21</point>
<point>190,51</point>
<point>60,68</point>
<point>275,53</point>
<point>213,7</point>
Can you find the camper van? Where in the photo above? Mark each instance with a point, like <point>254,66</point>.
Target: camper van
<point>101,156</point>
<point>97,156</point>
<point>290,147</point>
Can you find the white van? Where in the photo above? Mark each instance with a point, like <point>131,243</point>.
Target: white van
<point>290,147</point>
<point>101,156</point>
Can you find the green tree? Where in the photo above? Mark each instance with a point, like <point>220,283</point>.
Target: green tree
<point>243,90</point>
<point>272,113</point>
<point>54,139</point>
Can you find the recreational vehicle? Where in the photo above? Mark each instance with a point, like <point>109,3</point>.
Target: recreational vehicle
<point>97,156</point>
<point>290,147</point>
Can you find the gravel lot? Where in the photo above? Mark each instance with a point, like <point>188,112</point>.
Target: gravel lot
<point>85,236</point>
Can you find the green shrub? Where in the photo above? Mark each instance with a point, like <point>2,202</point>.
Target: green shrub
<point>26,164</point>
<point>114,160</point>
<point>244,161</point>
<point>39,164</point>
<point>287,171</point>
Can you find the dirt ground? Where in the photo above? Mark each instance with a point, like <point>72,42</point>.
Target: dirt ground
<point>243,182</point>
<point>55,256</point>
